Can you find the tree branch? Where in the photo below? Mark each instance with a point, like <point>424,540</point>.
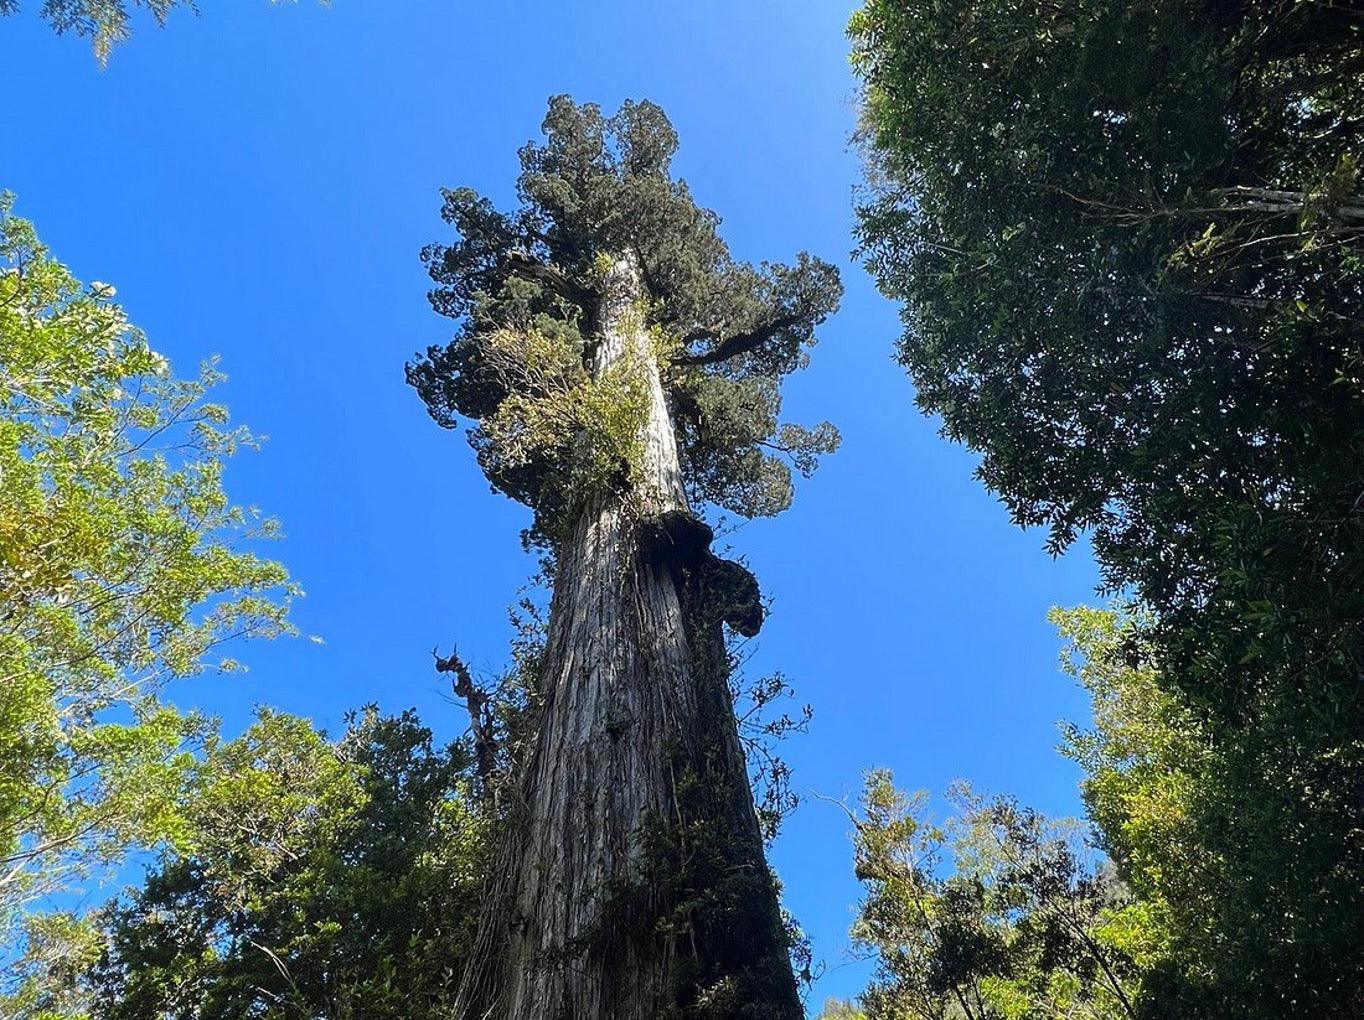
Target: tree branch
<point>529,268</point>
<point>480,721</point>
<point>739,343</point>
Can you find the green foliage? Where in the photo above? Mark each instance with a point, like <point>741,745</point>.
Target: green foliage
<point>1148,769</point>
<point>121,565</point>
<point>59,950</point>
<point>840,1009</point>
<point>958,916</point>
<point>321,878</point>
<point>1195,830</point>
<point>106,23</point>
<point>1000,914</point>
<point>765,715</point>
<point>599,189</point>
<point>574,431</point>
<point>1128,239</point>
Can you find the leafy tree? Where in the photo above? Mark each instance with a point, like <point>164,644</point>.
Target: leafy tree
<point>1152,777</point>
<point>999,914</point>
<point>1155,781</point>
<point>122,564</point>
<point>321,878</point>
<point>621,372</point>
<point>106,23</point>
<point>527,288</point>
<point>1128,240</point>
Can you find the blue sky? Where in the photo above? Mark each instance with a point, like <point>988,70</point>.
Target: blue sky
<point>257,183</point>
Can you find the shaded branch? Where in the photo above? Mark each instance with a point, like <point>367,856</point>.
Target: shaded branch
<point>529,268</point>
<point>739,343</point>
<point>480,716</point>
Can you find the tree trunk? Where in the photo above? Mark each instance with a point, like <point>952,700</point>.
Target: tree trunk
<point>631,884</point>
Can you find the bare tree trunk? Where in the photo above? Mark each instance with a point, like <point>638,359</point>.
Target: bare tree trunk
<point>632,884</point>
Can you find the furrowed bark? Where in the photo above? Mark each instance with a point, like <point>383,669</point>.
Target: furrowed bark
<point>631,884</point>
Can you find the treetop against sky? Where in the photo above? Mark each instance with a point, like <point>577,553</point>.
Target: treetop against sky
<point>258,182</point>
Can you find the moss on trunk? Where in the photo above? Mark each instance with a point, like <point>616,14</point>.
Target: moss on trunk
<point>632,883</point>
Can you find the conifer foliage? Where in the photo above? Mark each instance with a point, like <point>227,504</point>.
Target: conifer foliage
<point>525,288</point>
<point>622,373</point>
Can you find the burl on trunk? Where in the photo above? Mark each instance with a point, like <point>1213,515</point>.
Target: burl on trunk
<point>634,884</point>
<point>624,372</point>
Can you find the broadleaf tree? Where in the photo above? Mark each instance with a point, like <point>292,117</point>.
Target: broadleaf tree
<point>106,23</point>
<point>123,565</point>
<point>323,878</point>
<point>997,913</point>
<point>621,373</point>
<point>1128,240</point>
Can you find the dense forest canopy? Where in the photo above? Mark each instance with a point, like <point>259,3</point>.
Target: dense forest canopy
<point>1128,241</point>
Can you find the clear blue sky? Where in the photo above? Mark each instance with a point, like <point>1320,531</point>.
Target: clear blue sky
<point>257,183</point>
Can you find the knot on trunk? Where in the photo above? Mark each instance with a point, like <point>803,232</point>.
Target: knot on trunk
<point>676,538</point>
<point>736,595</point>
<point>724,589</point>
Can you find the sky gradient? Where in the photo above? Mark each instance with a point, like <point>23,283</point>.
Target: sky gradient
<point>257,183</point>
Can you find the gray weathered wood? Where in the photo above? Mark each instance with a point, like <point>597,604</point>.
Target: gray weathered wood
<point>633,688</point>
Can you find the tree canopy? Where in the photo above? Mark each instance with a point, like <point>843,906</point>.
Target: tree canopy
<point>1198,841</point>
<point>334,878</point>
<point>1128,242</point>
<point>123,564</point>
<point>997,913</point>
<point>106,23</point>
<point>525,285</point>
<point>1134,284</point>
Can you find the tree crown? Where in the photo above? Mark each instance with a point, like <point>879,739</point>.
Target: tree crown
<point>526,289</point>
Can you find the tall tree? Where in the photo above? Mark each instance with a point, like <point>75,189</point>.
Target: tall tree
<point>122,565</point>
<point>1128,238</point>
<point>623,372</point>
